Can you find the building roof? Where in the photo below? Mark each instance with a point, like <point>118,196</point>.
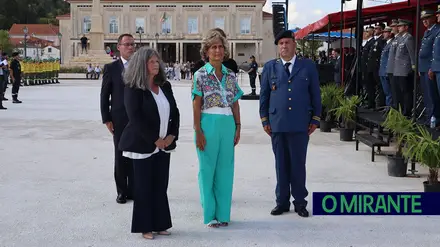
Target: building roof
<point>37,29</point>
<point>174,1</point>
<point>30,41</point>
<point>63,17</point>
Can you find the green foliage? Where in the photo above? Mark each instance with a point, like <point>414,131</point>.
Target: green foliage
<point>346,111</point>
<point>422,147</point>
<point>331,96</point>
<point>400,126</point>
<point>31,11</point>
<point>5,44</point>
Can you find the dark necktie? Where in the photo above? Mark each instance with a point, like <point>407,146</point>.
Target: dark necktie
<point>286,68</point>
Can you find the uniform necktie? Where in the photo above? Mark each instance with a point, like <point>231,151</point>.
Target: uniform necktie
<point>286,67</point>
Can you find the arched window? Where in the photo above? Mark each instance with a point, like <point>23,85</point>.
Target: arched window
<point>87,24</point>
<point>113,25</point>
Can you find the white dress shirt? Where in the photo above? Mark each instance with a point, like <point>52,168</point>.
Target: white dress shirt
<point>163,107</point>
<point>124,62</point>
<point>292,62</point>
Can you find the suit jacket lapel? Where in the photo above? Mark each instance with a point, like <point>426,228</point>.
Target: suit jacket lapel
<point>279,69</point>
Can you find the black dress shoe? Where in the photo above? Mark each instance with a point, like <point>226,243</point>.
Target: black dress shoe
<point>279,210</point>
<point>121,199</point>
<point>2,107</point>
<point>302,211</point>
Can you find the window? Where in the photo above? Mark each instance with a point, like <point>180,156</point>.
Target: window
<point>193,26</point>
<point>245,25</point>
<point>140,24</point>
<point>49,49</point>
<point>114,25</point>
<point>219,22</point>
<point>166,24</point>
<point>87,24</point>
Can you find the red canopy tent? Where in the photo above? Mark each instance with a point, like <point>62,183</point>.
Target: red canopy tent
<point>383,13</point>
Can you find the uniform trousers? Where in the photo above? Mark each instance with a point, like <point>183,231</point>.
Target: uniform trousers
<point>402,88</point>
<point>290,149</point>
<point>16,87</point>
<point>151,211</point>
<point>216,166</point>
<point>373,85</point>
<point>431,98</point>
<point>386,87</point>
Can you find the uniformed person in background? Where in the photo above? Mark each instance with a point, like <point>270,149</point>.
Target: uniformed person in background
<point>404,65</point>
<point>434,72</point>
<point>391,58</point>
<point>16,76</point>
<point>373,84</point>
<point>388,36</point>
<point>290,114</point>
<point>364,60</point>
<point>431,98</point>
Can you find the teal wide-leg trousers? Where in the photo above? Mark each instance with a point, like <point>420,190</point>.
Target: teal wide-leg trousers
<point>216,166</point>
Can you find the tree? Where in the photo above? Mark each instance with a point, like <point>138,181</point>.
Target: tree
<point>308,47</point>
<point>5,44</point>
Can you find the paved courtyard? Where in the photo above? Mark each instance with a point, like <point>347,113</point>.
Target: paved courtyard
<point>57,187</point>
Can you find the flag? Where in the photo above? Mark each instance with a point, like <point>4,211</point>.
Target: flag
<point>164,17</point>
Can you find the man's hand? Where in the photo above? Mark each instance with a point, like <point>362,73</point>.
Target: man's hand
<point>431,74</point>
<point>237,135</point>
<point>312,128</point>
<point>110,127</point>
<point>268,130</point>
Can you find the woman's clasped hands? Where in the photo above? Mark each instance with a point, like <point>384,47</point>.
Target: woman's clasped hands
<point>163,143</point>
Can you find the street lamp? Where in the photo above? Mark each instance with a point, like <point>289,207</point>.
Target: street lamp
<point>140,31</point>
<point>25,31</point>
<point>59,37</point>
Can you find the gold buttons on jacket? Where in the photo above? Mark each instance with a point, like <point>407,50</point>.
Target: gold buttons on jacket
<point>290,108</point>
<point>290,81</point>
<point>290,89</point>
<point>290,98</point>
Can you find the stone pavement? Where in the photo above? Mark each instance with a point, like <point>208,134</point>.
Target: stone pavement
<point>57,188</point>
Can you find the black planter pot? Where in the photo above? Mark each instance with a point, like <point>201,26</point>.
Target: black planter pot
<point>325,126</point>
<point>431,187</point>
<point>346,135</point>
<point>397,166</point>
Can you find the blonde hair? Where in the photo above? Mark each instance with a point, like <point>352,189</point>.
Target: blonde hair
<point>210,37</point>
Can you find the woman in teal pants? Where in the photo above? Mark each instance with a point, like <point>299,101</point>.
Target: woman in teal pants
<point>215,94</point>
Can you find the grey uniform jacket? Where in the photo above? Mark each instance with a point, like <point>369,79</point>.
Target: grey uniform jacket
<point>404,59</point>
<point>392,55</point>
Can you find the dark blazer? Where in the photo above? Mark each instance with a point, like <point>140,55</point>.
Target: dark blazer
<point>426,48</point>
<point>112,94</point>
<point>375,53</point>
<point>337,70</point>
<point>365,54</point>
<point>143,127</point>
<point>290,103</point>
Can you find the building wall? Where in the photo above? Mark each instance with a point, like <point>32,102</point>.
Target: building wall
<point>149,15</point>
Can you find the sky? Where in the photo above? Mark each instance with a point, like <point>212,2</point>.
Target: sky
<point>303,12</point>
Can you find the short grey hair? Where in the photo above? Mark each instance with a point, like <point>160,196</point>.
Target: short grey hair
<point>136,74</point>
<point>211,36</point>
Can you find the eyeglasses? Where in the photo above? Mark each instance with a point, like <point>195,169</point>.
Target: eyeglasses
<point>128,44</point>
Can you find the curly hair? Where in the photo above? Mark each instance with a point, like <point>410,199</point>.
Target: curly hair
<point>210,37</point>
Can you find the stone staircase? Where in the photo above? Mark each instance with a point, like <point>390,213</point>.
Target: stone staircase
<point>84,59</point>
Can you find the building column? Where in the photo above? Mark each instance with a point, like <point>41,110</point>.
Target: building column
<point>150,44</point>
<point>181,52</point>
<point>177,51</point>
<point>230,48</point>
<point>234,49</point>
<point>257,52</point>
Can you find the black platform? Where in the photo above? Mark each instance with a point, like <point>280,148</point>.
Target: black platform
<point>250,97</point>
<point>376,117</point>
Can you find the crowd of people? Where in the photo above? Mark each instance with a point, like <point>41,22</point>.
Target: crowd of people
<point>139,109</point>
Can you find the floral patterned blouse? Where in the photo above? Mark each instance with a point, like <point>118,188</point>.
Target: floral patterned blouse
<point>215,93</point>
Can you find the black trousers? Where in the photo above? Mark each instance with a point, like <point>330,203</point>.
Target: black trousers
<point>402,93</point>
<point>16,87</point>
<point>252,79</point>
<point>123,165</point>
<point>2,80</point>
<point>374,88</point>
<point>151,211</point>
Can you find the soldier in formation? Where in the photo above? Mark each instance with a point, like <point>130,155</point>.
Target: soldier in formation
<point>37,72</point>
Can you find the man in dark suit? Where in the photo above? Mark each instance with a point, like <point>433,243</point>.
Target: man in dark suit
<point>114,115</point>
<point>337,70</point>
<point>290,110</point>
<point>364,59</point>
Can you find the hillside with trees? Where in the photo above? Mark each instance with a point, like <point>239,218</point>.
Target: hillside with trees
<point>31,11</point>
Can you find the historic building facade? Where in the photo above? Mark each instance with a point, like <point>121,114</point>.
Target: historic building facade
<point>174,27</point>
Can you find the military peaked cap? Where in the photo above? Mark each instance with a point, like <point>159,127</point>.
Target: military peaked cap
<point>394,22</point>
<point>284,34</point>
<point>388,29</point>
<point>403,22</point>
<point>426,13</point>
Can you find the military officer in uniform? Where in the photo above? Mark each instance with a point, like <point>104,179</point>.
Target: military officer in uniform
<point>404,65</point>
<point>388,36</point>
<point>434,72</point>
<point>373,80</point>
<point>391,58</point>
<point>364,60</point>
<point>429,89</point>
<point>290,110</point>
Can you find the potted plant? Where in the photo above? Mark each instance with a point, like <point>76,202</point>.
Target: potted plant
<point>423,148</point>
<point>331,95</point>
<point>400,126</point>
<point>346,113</point>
